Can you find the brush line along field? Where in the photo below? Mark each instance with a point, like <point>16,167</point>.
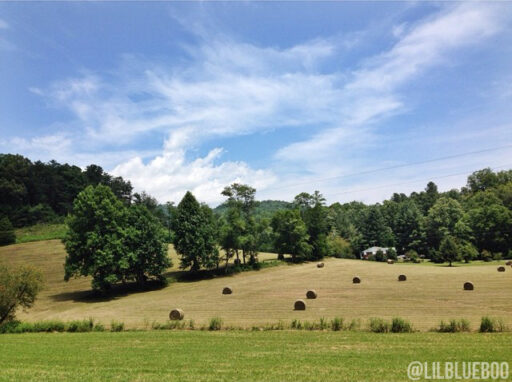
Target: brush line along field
<point>429,295</point>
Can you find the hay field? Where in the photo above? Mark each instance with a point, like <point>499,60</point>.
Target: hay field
<point>430,293</point>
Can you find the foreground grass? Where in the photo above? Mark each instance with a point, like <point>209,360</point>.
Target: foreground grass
<point>40,232</point>
<point>237,355</point>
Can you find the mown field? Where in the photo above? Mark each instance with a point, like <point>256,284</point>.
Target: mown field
<point>260,297</point>
<point>237,355</point>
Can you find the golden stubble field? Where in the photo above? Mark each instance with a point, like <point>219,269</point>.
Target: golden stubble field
<point>431,293</point>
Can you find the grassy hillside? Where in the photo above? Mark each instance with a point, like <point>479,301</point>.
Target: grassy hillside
<point>40,232</point>
<point>430,293</point>
<point>235,356</point>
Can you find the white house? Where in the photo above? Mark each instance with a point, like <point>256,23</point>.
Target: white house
<point>373,251</point>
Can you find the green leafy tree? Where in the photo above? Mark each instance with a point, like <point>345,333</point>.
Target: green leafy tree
<point>339,247</point>
<point>18,288</point>
<point>407,226</point>
<point>96,238</point>
<point>468,251</point>
<point>7,235</point>
<point>490,222</point>
<point>241,204</point>
<point>145,243</point>
<point>375,231</point>
<point>449,250</point>
<point>290,235</point>
<point>316,222</point>
<point>441,221</point>
<point>195,232</point>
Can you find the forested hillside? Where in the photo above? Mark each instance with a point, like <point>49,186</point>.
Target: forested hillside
<point>34,192</point>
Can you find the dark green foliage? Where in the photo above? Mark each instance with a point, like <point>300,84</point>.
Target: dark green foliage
<point>116,326</point>
<point>378,325</point>
<point>442,220</point>
<point>399,325</point>
<point>291,235</point>
<point>449,250</point>
<point>215,323</point>
<point>195,233</point>
<point>18,288</point>
<point>95,241</point>
<point>375,231</point>
<point>454,326</point>
<point>145,244</point>
<point>7,235</point>
<point>37,192</point>
<point>492,325</point>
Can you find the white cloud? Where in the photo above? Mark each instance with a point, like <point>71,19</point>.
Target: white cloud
<point>229,88</point>
<point>372,93</point>
<point>169,175</point>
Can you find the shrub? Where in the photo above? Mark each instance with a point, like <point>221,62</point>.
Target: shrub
<point>399,325</point>
<point>454,326</point>
<point>337,324</point>
<point>492,325</point>
<point>378,325</point>
<point>116,326</point>
<point>49,326</point>
<point>9,327</point>
<point>354,324</point>
<point>215,323</point>
<point>296,324</point>
<point>80,326</point>
<point>7,235</point>
<point>99,327</point>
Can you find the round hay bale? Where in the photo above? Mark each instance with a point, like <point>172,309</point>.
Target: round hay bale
<point>391,261</point>
<point>468,285</point>
<point>501,269</point>
<point>320,265</point>
<point>356,280</point>
<point>176,315</point>
<point>402,278</point>
<point>311,294</point>
<point>299,305</point>
<point>508,262</point>
<point>227,290</point>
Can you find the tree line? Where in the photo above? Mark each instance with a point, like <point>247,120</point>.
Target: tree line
<point>117,236</point>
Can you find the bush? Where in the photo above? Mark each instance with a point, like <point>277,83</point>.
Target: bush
<point>215,323</point>
<point>492,325</point>
<point>116,326</point>
<point>49,326</point>
<point>486,255</point>
<point>378,325</point>
<point>9,327</point>
<point>80,326</point>
<point>337,324</point>
<point>99,328</point>
<point>354,324</point>
<point>454,326</point>
<point>399,325</point>
<point>296,324</point>
<point>380,256</point>
<point>7,235</point>
<point>339,247</point>
<point>412,256</point>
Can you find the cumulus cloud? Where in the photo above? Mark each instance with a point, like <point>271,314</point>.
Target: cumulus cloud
<point>169,175</point>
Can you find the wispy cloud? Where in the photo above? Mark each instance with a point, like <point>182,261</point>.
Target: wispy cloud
<point>228,88</point>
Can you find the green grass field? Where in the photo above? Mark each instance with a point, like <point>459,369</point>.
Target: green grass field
<point>40,232</point>
<point>237,355</point>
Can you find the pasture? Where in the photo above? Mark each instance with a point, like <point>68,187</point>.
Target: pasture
<point>430,294</point>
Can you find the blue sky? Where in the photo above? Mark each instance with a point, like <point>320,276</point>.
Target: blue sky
<point>343,97</point>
